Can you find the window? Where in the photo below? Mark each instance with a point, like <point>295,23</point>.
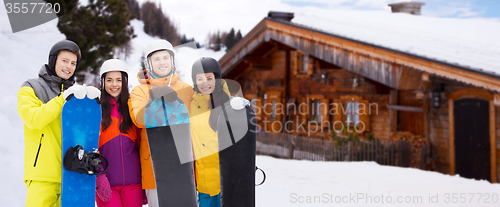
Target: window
<point>316,111</point>
<point>305,63</point>
<point>301,63</point>
<point>352,113</point>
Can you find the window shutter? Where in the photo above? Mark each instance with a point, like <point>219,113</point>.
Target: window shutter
<point>337,116</point>
<point>294,62</point>
<point>324,112</point>
<point>364,115</point>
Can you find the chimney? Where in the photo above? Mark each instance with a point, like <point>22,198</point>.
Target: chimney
<point>407,7</point>
<point>282,16</point>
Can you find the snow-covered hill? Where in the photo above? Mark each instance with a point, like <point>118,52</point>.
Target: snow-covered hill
<point>21,56</point>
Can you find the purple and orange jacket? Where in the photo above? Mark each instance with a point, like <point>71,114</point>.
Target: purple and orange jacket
<point>121,150</point>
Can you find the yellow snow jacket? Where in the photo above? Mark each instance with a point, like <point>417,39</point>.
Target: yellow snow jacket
<point>205,145</point>
<point>39,104</point>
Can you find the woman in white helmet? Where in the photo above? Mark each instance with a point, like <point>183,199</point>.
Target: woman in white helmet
<point>158,80</point>
<point>118,141</point>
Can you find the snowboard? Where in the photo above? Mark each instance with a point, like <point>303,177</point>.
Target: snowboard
<point>169,137</point>
<point>236,130</point>
<point>81,122</point>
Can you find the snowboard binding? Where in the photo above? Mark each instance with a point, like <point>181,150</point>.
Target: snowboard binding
<point>81,161</point>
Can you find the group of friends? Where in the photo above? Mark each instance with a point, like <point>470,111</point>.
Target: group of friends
<point>129,181</point>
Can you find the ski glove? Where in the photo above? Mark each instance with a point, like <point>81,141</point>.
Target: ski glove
<point>93,92</point>
<point>77,91</point>
<point>102,187</point>
<point>238,103</point>
<point>166,92</point>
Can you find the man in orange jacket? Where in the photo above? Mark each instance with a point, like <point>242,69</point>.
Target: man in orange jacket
<point>159,80</point>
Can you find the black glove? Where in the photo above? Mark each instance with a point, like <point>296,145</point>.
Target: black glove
<point>168,94</point>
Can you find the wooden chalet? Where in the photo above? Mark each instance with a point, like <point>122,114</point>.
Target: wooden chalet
<point>297,77</point>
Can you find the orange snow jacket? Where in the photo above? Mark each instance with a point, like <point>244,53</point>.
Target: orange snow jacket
<point>139,97</point>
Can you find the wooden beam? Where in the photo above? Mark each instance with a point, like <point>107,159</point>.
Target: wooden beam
<point>427,117</point>
<point>406,108</point>
<point>409,79</point>
<point>451,120</point>
<point>393,114</point>
<point>470,93</point>
<point>493,143</point>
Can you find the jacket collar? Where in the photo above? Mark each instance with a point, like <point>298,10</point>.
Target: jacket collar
<point>145,78</point>
<point>54,81</point>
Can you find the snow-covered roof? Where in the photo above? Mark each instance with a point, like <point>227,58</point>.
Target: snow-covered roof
<point>473,43</point>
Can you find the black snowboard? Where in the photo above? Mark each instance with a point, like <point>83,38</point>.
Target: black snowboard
<point>236,131</point>
<point>174,181</point>
<point>169,138</point>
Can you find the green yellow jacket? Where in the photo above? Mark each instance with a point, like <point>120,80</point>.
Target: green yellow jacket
<point>39,104</point>
<point>205,145</point>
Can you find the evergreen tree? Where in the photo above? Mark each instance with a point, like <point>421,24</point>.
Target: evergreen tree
<point>218,42</point>
<point>157,24</point>
<point>133,8</point>
<point>98,28</point>
<point>238,37</point>
<point>66,6</point>
<point>230,40</point>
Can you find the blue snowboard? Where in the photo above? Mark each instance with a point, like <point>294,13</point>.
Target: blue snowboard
<point>81,122</point>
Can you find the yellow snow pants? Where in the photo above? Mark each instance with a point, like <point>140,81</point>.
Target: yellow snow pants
<point>43,194</point>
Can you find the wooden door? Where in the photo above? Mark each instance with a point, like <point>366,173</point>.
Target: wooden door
<point>472,144</point>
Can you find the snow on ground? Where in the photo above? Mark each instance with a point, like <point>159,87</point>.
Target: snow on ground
<point>468,42</point>
<point>308,183</point>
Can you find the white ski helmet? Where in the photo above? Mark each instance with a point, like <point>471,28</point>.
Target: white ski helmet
<point>113,65</point>
<point>159,45</point>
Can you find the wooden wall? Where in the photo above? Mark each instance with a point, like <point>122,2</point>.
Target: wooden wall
<point>439,137</point>
<point>497,113</point>
<point>337,82</point>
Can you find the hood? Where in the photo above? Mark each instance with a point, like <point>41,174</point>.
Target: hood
<point>145,78</point>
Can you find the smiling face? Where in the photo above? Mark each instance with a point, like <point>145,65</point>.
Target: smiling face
<point>205,83</point>
<point>161,63</point>
<point>113,84</point>
<point>65,64</point>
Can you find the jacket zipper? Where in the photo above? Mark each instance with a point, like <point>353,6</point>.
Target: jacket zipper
<point>121,148</point>
<point>38,152</point>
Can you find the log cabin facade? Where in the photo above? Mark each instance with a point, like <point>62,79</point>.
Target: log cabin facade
<point>308,82</point>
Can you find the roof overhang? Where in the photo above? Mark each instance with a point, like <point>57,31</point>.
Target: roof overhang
<point>332,48</point>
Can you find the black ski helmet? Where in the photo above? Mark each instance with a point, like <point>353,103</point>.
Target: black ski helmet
<point>63,45</point>
<point>207,65</point>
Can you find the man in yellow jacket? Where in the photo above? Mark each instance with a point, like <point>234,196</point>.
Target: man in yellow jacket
<point>39,104</point>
